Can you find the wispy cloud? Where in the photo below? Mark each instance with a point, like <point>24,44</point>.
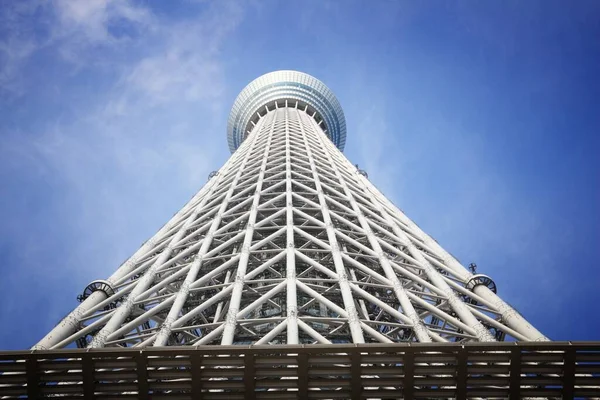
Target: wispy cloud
<point>145,125</point>
<point>94,16</point>
<point>69,29</point>
<point>188,66</point>
<point>112,24</point>
<point>17,44</point>
<point>141,124</point>
<point>96,20</point>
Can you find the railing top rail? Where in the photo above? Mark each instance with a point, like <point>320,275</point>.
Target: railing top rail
<point>309,349</point>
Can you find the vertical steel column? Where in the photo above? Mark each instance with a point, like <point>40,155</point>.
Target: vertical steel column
<point>510,316</point>
<point>145,281</point>
<point>457,304</point>
<point>418,326</point>
<point>230,322</point>
<point>182,294</point>
<point>382,275</point>
<point>71,322</point>
<point>291,295</point>
<point>353,319</point>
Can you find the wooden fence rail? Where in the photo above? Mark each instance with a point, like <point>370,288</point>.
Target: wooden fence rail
<point>565,370</point>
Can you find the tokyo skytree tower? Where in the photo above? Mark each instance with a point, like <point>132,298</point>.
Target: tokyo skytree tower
<point>289,243</point>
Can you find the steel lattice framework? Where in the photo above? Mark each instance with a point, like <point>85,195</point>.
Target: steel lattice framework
<point>289,243</point>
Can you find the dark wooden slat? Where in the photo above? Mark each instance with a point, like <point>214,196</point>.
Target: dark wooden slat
<point>333,366</point>
<point>249,373</point>
<point>409,375</point>
<point>461,373</point>
<point>515,373</point>
<point>303,376</point>
<point>33,390</point>
<point>88,375</point>
<point>142,376</point>
<point>569,374</point>
<point>196,360</point>
<point>356,384</point>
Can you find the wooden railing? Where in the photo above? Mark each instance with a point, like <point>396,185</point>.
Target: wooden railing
<point>474,370</point>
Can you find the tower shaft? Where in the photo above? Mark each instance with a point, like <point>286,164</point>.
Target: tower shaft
<point>289,243</point>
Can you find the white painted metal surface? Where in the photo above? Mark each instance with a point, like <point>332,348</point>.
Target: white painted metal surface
<point>288,244</point>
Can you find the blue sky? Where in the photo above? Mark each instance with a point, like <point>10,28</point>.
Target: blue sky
<point>479,119</point>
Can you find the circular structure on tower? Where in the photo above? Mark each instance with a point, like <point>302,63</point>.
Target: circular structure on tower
<point>280,89</point>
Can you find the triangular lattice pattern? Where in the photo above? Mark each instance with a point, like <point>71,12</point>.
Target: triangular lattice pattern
<point>289,243</point>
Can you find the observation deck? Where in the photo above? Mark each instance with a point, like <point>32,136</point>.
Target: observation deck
<point>286,88</point>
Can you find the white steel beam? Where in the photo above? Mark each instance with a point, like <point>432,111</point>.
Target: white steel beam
<point>230,322</point>
<point>352,314</point>
<point>288,243</point>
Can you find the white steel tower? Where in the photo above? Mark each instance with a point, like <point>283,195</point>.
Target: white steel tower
<point>289,243</point>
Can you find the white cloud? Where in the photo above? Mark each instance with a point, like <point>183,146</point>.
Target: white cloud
<point>87,25</point>
<point>137,123</point>
<point>16,45</point>
<point>188,67</point>
<point>123,161</point>
<point>13,52</point>
<point>181,72</point>
<point>92,18</point>
<point>68,28</point>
